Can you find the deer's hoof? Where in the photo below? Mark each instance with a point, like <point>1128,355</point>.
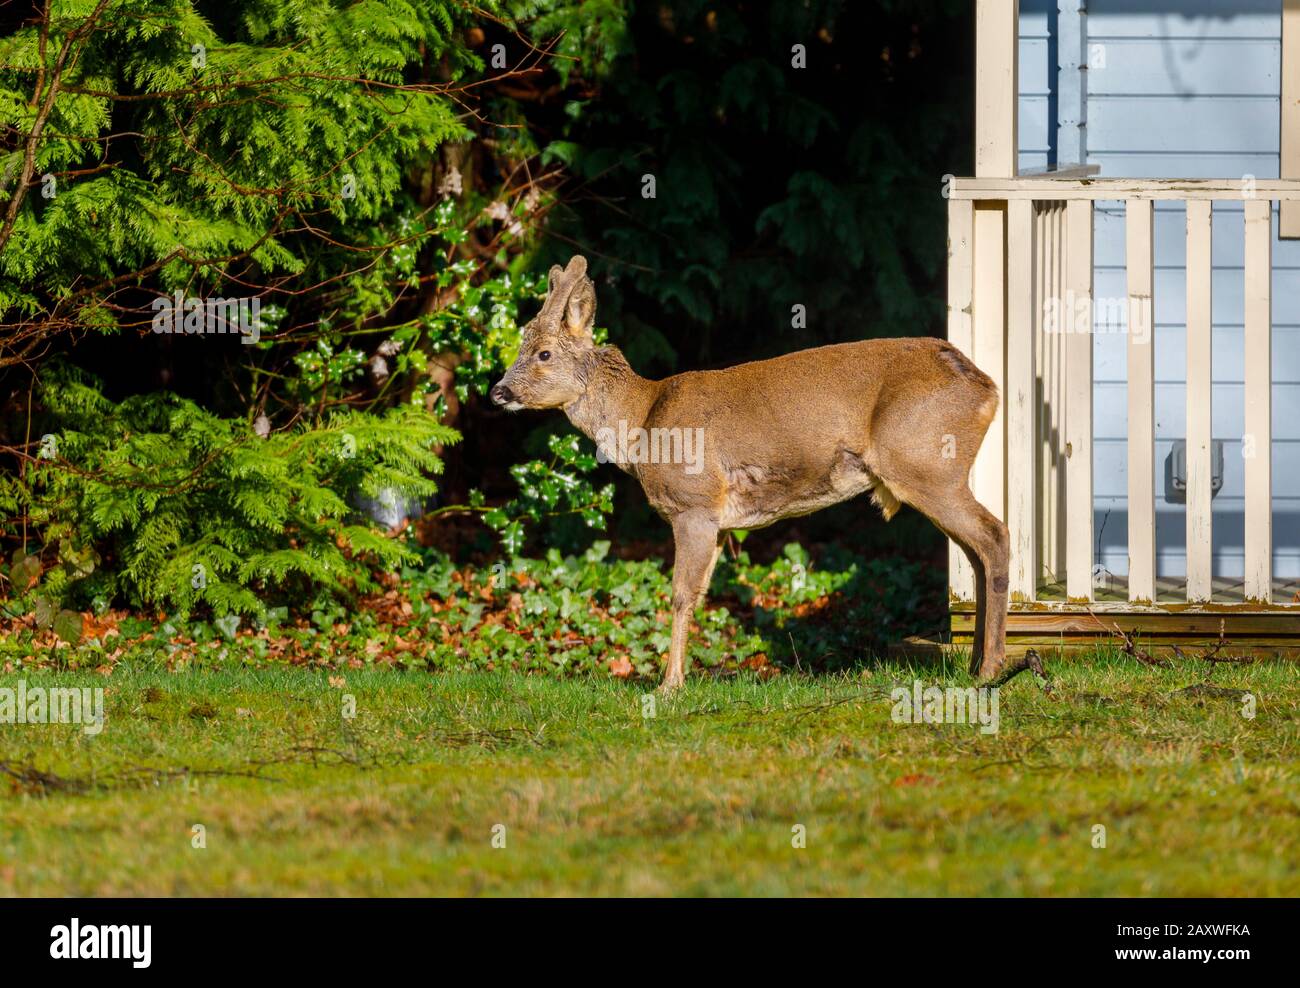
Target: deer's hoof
<point>991,671</point>
<point>668,687</point>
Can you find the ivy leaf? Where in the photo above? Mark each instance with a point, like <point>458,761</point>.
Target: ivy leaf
<point>25,572</point>
<point>44,610</point>
<point>512,538</point>
<point>68,626</point>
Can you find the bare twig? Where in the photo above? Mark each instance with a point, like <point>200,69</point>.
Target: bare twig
<point>1211,655</point>
<point>1129,647</point>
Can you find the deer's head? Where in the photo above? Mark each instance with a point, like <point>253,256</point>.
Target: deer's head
<point>548,373</point>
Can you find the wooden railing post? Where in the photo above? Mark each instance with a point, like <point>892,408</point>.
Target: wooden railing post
<point>1139,222</point>
<point>990,348</point>
<point>977,251</point>
<point>997,100</point>
<point>961,281</point>
<point>1200,298</point>
<point>1021,411</point>
<point>1050,368</point>
<point>1076,318</point>
<point>1257,447</point>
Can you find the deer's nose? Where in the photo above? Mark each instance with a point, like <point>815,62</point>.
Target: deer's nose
<point>502,395</point>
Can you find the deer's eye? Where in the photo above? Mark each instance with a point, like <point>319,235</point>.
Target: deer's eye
<point>544,355</point>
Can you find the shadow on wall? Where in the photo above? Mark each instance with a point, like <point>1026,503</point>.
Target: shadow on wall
<point>1171,542</point>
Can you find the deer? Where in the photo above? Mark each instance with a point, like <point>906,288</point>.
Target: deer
<point>900,418</point>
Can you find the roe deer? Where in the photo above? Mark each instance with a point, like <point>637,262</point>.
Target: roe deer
<point>901,418</point>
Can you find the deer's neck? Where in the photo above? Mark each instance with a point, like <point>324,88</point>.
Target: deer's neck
<point>614,393</point>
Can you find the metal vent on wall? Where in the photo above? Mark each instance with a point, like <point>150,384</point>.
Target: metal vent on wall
<point>1176,471</point>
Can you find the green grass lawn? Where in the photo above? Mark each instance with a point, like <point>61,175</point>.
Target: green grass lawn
<point>702,798</point>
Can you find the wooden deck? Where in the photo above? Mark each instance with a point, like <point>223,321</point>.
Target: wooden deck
<point>1051,622</point>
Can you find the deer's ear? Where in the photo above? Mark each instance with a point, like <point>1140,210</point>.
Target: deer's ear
<point>580,310</point>
<point>553,278</point>
<point>577,267</point>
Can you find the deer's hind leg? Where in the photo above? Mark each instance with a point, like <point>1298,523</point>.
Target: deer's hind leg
<point>986,543</point>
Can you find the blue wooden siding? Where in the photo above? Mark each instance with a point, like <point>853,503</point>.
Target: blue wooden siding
<point>1178,89</point>
<point>1038,82</point>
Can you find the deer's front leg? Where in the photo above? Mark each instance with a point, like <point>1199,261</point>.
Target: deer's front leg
<point>697,542</point>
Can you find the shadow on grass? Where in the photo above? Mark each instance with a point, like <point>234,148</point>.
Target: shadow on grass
<point>844,620</point>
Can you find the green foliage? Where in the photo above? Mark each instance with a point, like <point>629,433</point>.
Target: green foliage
<point>548,489</point>
<point>588,34</point>
<point>558,614</point>
<point>832,610</point>
<point>192,509</point>
<point>276,149</point>
<point>251,132</point>
<point>25,573</point>
<point>478,321</point>
<point>775,185</point>
<point>349,164</point>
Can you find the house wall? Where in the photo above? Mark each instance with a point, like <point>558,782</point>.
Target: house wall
<point>1175,89</point>
<point>1038,84</point>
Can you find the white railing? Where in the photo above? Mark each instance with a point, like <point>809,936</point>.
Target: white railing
<point>1013,244</point>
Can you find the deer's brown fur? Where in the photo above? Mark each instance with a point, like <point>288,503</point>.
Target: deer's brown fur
<point>901,418</point>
